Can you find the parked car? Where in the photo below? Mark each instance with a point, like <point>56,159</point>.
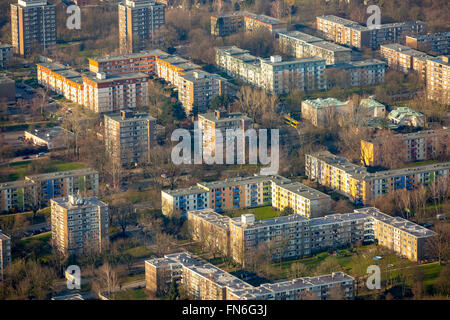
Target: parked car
<point>26,157</point>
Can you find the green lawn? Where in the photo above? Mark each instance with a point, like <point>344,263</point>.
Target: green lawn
<point>431,272</point>
<point>39,218</point>
<point>131,294</point>
<point>139,252</point>
<point>420,163</point>
<point>18,170</point>
<point>35,247</point>
<point>260,213</point>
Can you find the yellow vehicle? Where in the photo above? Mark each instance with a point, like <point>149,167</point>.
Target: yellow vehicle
<point>292,122</point>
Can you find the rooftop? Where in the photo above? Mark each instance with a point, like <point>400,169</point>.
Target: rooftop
<point>48,133</point>
<point>117,77</point>
<point>303,190</point>
<point>402,112</point>
<point>335,218</point>
<point>320,103</point>
<point>404,49</point>
<point>241,180</point>
<point>398,222</point>
<point>142,54</point>
<point>234,116</point>
<point>62,174</point>
<point>184,191</point>
<point>76,202</point>
<point>117,116</point>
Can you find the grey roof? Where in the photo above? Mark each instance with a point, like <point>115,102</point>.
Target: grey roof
<point>184,191</point>
<point>336,218</point>
<point>398,222</point>
<point>117,77</point>
<point>241,180</point>
<point>142,54</point>
<point>136,116</point>
<point>85,203</point>
<point>48,133</point>
<point>234,116</point>
<point>62,174</point>
<point>303,190</point>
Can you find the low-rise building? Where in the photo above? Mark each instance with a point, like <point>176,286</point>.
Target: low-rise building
<point>371,108</point>
<point>404,116</point>
<point>5,253</point>
<point>79,225</point>
<point>52,138</point>
<point>204,281</point>
<point>302,45</point>
<point>322,112</point>
<point>130,136</point>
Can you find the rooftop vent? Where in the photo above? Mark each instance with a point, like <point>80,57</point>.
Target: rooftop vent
<point>248,219</point>
<point>275,59</point>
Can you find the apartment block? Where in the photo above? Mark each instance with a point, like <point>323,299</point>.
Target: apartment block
<point>416,146</point>
<point>205,281</point>
<point>438,79</point>
<point>274,74</point>
<point>79,225</point>
<point>369,72</point>
<point>33,25</point>
<point>214,127</point>
<point>438,43</point>
<point>5,253</point>
<point>228,194</point>
<point>304,200</point>
<point>322,112</point>
<point>404,59</point>
<point>99,93</point>
<point>352,34</point>
<point>108,94</point>
<point>302,45</point>
<point>404,116</point>
<point>363,187</point>
<point>130,136</point>
<point>6,53</point>
<point>400,235</point>
<point>64,183</point>
<point>225,24</point>
<point>197,88</point>
<point>139,21</point>
<point>144,61</point>
<point>19,196</point>
<point>294,236</point>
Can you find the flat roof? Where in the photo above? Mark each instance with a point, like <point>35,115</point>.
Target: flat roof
<point>116,77</point>
<point>62,174</point>
<point>211,116</point>
<point>136,116</point>
<point>48,133</point>
<point>398,222</point>
<point>397,47</point>
<point>336,218</point>
<point>83,203</point>
<point>142,54</point>
<point>184,191</point>
<point>240,180</point>
<point>303,190</point>
<point>320,103</point>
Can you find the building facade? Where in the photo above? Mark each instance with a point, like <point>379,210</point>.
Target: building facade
<point>302,45</point>
<point>204,281</point>
<point>79,225</point>
<point>228,194</point>
<point>438,43</point>
<point>5,253</point>
<point>322,112</point>
<point>352,34</point>
<point>362,73</point>
<point>139,21</point>
<point>417,146</point>
<point>404,59</point>
<point>274,74</point>
<point>218,123</point>
<point>99,93</point>
<point>363,187</point>
<point>130,136</point>
<point>225,24</point>
<point>438,79</point>
<point>6,53</point>
<point>33,24</point>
